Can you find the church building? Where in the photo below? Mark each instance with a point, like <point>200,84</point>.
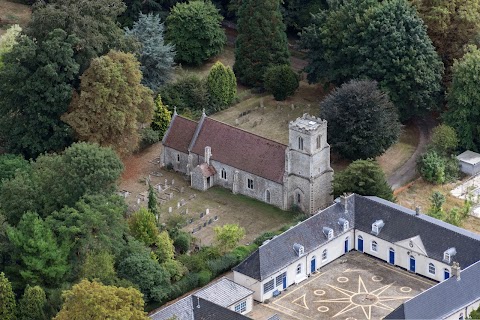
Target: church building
<point>213,153</point>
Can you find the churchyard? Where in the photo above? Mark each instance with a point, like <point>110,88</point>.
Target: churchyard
<point>355,286</point>
<point>13,13</point>
<point>202,211</point>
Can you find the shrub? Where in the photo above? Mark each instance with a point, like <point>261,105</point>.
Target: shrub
<point>204,277</point>
<point>222,86</point>
<point>432,167</point>
<point>444,139</point>
<point>265,236</point>
<point>222,264</point>
<point>189,93</point>
<point>148,137</point>
<point>281,81</point>
<point>182,242</point>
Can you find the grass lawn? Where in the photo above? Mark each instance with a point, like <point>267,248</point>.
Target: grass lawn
<point>13,13</point>
<point>419,192</point>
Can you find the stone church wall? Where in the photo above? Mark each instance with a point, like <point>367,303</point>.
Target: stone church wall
<point>177,159</point>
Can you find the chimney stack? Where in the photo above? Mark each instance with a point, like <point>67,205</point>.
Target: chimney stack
<point>456,270</point>
<point>208,154</point>
<point>343,201</point>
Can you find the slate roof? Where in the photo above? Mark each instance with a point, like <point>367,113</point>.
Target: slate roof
<point>241,149</point>
<point>402,223</point>
<point>278,252</point>
<point>224,292</point>
<point>469,157</point>
<point>179,133</point>
<point>442,299</point>
<point>213,301</point>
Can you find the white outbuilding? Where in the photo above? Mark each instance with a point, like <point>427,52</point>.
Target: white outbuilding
<point>469,162</point>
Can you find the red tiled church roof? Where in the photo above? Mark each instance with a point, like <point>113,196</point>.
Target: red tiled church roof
<point>180,134</point>
<point>241,149</point>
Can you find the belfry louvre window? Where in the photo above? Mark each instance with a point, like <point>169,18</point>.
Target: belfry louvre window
<point>300,143</point>
<point>267,287</point>
<point>319,142</point>
<point>250,184</point>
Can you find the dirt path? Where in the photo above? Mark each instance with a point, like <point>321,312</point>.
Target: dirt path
<point>407,172</point>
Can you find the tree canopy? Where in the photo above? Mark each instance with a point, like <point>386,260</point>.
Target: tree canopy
<point>155,56</point>
<point>143,226</point>
<point>261,41</point>
<point>93,22</point>
<point>32,304</point>
<point>195,29</point>
<point>463,113</point>
<point>364,177</point>
<point>222,86</point>
<point>7,299</point>
<point>8,40</point>
<point>228,236</point>
<point>385,41</point>
<point>35,86</point>
<point>362,121</point>
<point>92,300</point>
<point>112,103</point>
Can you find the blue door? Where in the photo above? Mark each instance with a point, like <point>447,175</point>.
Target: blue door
<point>312,265</point>
<point>346,245</point>
<point>360,244</point>
<point>412,264</point>
<point>392,256</point>
<point>446,274</point>
<point>284,281</point>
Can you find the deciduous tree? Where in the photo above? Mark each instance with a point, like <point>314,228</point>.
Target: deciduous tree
<point>228,236</point>
<point>39,258</point>
<point>195,30</point>
<point>92,300</point>
<point>165,249</point>
<point>143,226</point>
<point>93,22</point>
<point>99,266</point>
<point>281,81</point>
<point>35,86</point>
<point>362,121</point>
<point>112,103</point>
<point>382,40</point>
<point>161,117</point>
<point>261,41</point>
<point>222,86</point>
<point>155,56</point>
<point>364,177</point>
<point>8,40</point>
<point>10,164</point>
<point>7,299</point>
<point>444,139</point>
<point>32,304</point>
<point>463,113</point>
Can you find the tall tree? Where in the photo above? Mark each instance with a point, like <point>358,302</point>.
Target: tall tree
<point>32,304</point>
<point>161,117</point>
<point>10,164</point>
<point>94,22</point>
<point>195,30</point>
<point>165,249</point>
<point>39,259</point>
<point>155,56</point>
<point>92,300</point>
<point>362,121</point>
<point>7,299</point>
<point>364,177</point>
<point>222,86</point>
<point>112,103</point>
<point>143,226</point>
<point>385,41</point>
<point>444,139</point>
<point>228,236</point>
<point>35,85</point>
<point>463,113</point>
<point>451,24</point>
<point>261,40</point>
<point>55,181</point>
<point>99,266</point>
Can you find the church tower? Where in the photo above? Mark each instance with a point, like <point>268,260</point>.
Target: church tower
<point>307,166</point>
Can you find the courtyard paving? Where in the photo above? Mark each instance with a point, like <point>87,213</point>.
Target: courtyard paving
<point>355,286</point>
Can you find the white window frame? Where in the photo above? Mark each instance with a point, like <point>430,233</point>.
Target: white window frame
<point>250,185</point>
<point>346,225</point>
<point>446,257</point>
<point>224,174</point>
<point>374,246</point>
<point>268,286</point>
<point>330,234</point>
<point>325,255</point>
<point>299,269</point>
<point>431,267</point>
<point>241,307</point>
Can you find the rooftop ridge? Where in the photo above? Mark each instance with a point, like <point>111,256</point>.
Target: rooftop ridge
<point>249,132</point>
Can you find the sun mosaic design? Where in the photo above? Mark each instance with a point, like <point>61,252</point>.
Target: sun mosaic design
<point>363,298</point>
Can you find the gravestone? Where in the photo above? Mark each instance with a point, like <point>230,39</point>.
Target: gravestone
<point>201,215</point>
<point>178,205</point>
<point>170,209</point>
<point>216,218</point>
<point>173,182</point>
<point>138,200</point>
<point>210,221</point>
<point>205,224</point>
<point>170,195</point>
<point>207,211</point>
<point>166,183</point>
<point>182,190</point>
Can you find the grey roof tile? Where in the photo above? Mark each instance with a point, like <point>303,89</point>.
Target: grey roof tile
<point>206,310</point>
<point>224,292</point>
<point>182,309</point>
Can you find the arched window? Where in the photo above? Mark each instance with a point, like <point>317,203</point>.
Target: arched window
<point>299,268</point>
<point>324,255</point>
<point>300,143</point>
<point>299,198</point>
<point>224,174</point>
<point>431,268</point>
<point>178,157</point>
<point>319,142</point>
<point>267,196</point>
<point>374,246</point>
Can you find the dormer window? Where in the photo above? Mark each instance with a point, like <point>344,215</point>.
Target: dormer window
<point>300,143</point>
<point>298,248</point>
<point>377,226</point>
<point>448,255</point>
<point>343,224</point>
<point>328,232</point>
